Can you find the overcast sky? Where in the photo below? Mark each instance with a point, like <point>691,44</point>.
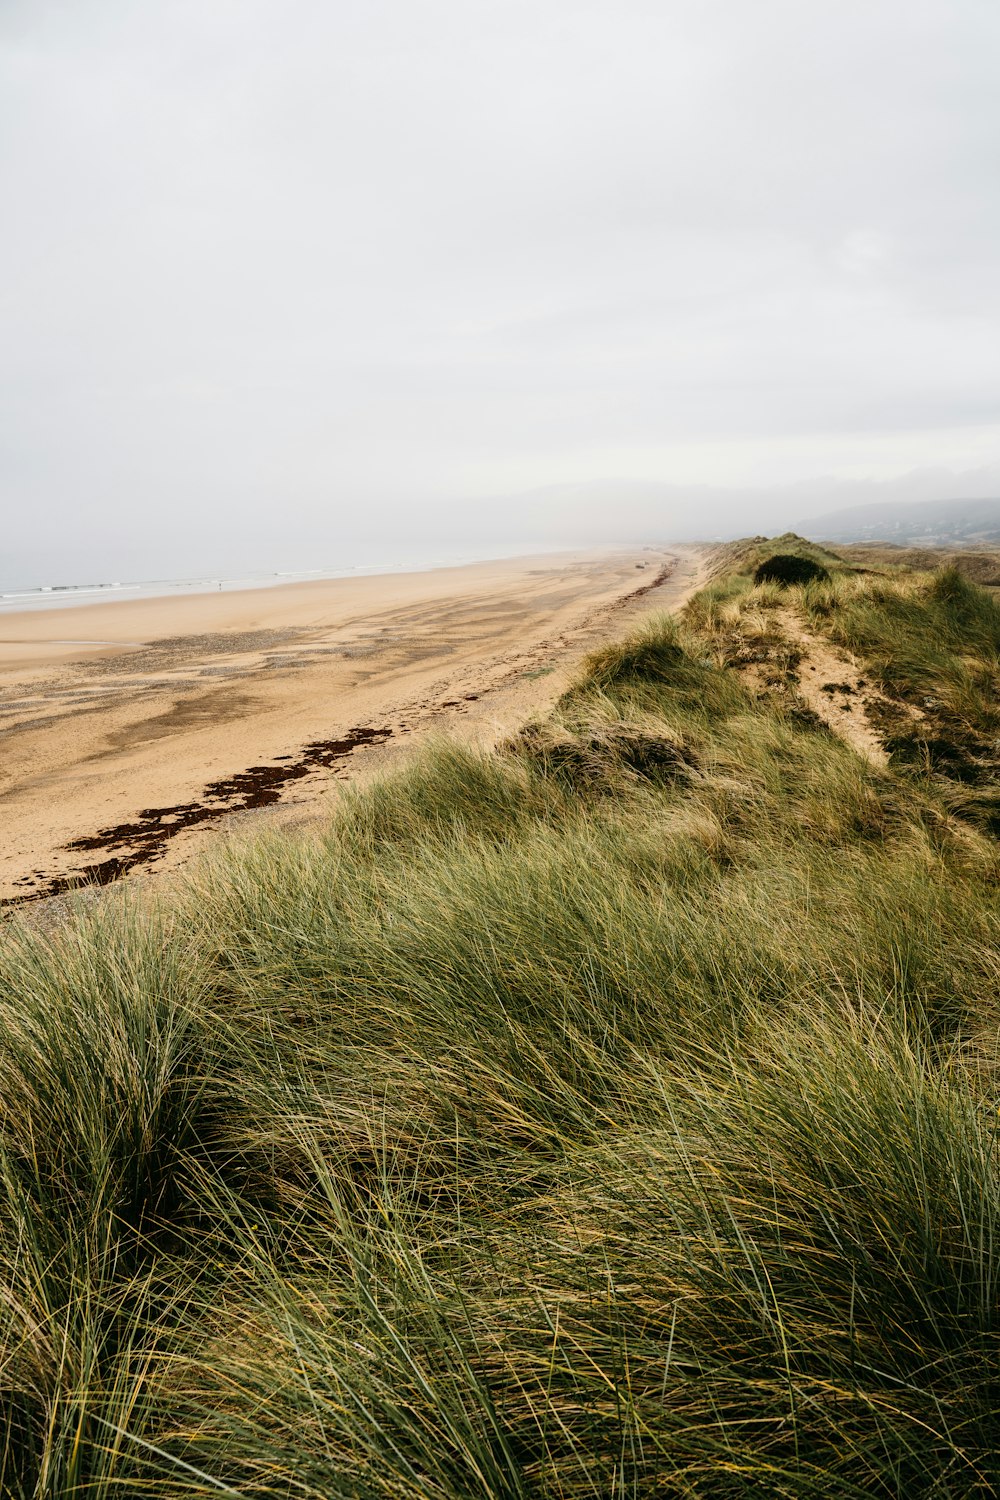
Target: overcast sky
<point>281,275</point>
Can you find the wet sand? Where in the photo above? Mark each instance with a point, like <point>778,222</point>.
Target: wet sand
<point>131,730</point>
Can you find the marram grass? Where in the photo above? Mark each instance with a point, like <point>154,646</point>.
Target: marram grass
<point>612,1115</point>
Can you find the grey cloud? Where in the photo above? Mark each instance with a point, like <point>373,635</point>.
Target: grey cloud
<point>296,272</point>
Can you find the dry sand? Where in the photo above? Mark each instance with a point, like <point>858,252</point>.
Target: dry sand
<point>132,730</point>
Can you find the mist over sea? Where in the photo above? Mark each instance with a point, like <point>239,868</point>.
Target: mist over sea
<point>408,558</point>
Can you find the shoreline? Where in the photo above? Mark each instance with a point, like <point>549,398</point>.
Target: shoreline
<point>181,716</point>
<point>15,600</point>
<point>123,624</point>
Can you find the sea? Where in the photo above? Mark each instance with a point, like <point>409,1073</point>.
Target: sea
<point>60,594</point>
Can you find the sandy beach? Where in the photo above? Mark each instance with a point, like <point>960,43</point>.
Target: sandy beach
<point>134,730</point>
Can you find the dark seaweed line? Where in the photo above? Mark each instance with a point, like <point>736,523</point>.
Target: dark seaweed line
<point>654,583</point>
<point>145,839</point>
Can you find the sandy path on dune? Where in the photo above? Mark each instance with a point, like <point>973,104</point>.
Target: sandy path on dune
<point>130,731</point>
<point>832,685</point>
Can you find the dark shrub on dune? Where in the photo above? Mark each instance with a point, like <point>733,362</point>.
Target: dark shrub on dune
<point>785,568</point>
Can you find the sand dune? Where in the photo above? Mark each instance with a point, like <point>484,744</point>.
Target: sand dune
<point>132,729</point>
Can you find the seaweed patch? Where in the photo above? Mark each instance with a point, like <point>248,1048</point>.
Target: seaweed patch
<point>141,842</point>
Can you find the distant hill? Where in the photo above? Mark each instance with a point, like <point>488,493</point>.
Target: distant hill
<point>930,522</point>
